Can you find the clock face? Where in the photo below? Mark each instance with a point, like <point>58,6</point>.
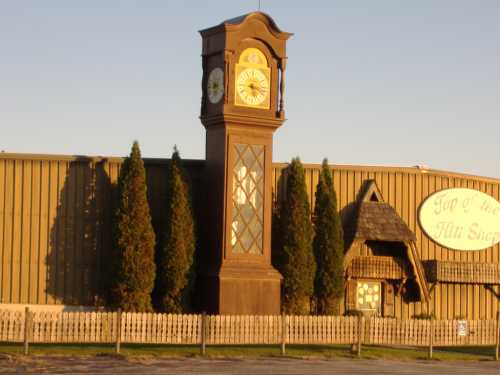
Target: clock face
<point>215,85</point>
<point>252,87</point>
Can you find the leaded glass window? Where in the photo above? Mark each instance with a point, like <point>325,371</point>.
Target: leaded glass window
<point>248,203</point>
<point>369,295</point>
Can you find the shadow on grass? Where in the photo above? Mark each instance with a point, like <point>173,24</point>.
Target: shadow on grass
<point>480,352</point>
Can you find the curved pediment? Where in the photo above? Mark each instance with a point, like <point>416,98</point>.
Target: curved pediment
<point>241,22</point>
<point>237,22</point>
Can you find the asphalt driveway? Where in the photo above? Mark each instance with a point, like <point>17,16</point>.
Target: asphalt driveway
<point>274,366</point>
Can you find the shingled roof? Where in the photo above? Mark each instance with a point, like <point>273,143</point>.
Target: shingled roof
<point>378,221</point>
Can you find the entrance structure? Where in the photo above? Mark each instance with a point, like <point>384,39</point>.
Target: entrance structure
<point>244,62</point>
<point>381,260</point>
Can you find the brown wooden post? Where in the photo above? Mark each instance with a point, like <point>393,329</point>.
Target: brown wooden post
<point>361,325</point>
<point>283,333</point>
<point>497,349</point>
<point>27,320</point>
<point>203,348</point>
<point>282,87</point>
<point>431,337</point>
<point>118,331</point>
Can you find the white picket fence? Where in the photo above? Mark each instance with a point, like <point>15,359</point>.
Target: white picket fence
<point>147,328</point>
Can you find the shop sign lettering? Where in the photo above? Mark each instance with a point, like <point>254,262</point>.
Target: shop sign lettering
<point>461,219</point>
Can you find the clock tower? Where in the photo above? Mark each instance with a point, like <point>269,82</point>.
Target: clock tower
<point>244,61</point>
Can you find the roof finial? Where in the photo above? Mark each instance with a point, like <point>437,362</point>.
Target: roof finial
<point>259,5</point>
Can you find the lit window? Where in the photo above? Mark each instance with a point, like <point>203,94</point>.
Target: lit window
<point>368,295</point>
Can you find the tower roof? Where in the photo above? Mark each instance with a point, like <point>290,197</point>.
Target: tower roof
<point>236,22</point>
<point>240,19</point>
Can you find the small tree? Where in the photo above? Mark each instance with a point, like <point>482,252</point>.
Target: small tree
<point>133,239</point>
<point>175,260</point>
<point>328,246</point>
<point>295,258</point>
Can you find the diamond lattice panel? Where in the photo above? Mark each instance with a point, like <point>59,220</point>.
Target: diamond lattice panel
<point>248,205</point>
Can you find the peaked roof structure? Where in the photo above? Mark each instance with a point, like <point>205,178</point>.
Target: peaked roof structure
<point>375,220</point>
<point>371,193</point>
<point>380,222</point>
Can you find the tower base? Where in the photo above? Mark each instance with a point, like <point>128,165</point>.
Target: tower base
<point>243,291</point>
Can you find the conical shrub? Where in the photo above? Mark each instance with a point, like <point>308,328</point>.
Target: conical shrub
<point>295,258</point>
<point>328,246</point>
<point>133,239</point>
<point>175,260</point>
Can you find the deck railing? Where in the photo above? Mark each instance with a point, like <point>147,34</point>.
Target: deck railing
<point>377,267</point>
<point>462,272</point>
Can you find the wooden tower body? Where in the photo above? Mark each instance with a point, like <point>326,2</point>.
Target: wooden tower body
<point>243,83</point>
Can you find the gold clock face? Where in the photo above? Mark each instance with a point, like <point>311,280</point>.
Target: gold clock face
<point>215,85</point>
<point>252,87</point>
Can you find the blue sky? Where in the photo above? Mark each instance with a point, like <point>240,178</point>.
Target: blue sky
<point>368,82</point>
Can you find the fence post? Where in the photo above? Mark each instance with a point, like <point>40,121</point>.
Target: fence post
<point>361,326</point>
<point>27,329</point>
<point>283,333</point>
<point>431,337</point>
<point>118,331</point>
<point>203,333</point>
<point>497,350</point>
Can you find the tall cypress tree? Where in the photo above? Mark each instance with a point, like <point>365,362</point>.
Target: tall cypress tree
<point>175,260</point>
<point>295,258</point>
<point>328,246</point>
<point>133,239</point>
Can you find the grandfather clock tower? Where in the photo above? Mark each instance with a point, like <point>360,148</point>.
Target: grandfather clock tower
<point>243,84</point>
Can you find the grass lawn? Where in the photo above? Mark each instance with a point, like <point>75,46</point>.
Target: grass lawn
<point>295,351</point>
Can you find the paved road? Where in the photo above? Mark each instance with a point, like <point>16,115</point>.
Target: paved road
<point>270,366</point>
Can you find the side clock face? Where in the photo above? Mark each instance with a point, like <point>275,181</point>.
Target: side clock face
<point>252,87</point>
<point>215,85</point>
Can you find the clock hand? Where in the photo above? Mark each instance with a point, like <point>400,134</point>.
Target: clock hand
<point>256,88</point>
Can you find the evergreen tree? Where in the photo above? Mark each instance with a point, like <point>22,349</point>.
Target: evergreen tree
<point>328,246</point>
<point>133,239</point>
<point>295,258</point>
<point>175,259</point>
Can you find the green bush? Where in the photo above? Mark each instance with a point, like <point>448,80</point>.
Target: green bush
<point>328,246</point>
<point>175,260</point>
<point>294,256</point>
<point>133,239</point>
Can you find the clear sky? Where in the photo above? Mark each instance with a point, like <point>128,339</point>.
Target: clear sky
<point>368,82</point>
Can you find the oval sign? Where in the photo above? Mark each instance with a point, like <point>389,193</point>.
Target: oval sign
<point>461,219</point>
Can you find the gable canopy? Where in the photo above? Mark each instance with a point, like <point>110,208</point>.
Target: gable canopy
<point>375,220</point>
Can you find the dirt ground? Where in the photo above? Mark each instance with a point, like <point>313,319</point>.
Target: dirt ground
<point>274,366</point>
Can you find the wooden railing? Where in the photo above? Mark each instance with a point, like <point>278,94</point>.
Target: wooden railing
<point>117,328</point>
<point>462,272</point>
<point>377,267</point>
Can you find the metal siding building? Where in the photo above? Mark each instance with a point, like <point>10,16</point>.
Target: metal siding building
<point>56,211</point>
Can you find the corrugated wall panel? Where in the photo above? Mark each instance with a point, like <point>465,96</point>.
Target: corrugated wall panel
<point>25,230</point>
<point>7,267</point>
<point>45,226</point>
<point>34,231</point>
